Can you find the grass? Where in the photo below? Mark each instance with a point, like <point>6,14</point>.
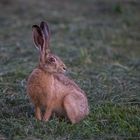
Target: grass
<point>99,42</point>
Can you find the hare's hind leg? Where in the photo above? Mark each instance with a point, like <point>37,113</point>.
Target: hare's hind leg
<point>71,109</point>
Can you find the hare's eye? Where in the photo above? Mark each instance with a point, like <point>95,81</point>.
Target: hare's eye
<point>52,59</point>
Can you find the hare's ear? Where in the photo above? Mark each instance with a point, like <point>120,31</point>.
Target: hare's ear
<point>37,37</point>
<point>46,33</point>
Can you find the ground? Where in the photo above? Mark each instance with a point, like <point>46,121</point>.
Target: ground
<point>99,41</point>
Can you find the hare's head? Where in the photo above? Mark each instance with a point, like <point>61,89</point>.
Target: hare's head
<point>48,61</point>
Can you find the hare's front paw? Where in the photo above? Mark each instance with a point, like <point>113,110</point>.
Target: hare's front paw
<point>38,113</point>
<point>47,115</point>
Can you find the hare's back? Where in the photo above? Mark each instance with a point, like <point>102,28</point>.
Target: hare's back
<point>67,83</point>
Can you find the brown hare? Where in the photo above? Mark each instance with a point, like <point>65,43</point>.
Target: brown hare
<point>49,88</point>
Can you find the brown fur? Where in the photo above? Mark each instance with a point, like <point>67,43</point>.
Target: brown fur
<point>49,88</point>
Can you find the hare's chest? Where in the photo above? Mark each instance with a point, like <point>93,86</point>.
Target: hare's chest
<point>39,87</point>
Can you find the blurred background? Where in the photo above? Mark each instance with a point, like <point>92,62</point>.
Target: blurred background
<point>99,41</point>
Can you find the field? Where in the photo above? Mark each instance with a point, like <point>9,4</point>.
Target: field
<point>99,41</point>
